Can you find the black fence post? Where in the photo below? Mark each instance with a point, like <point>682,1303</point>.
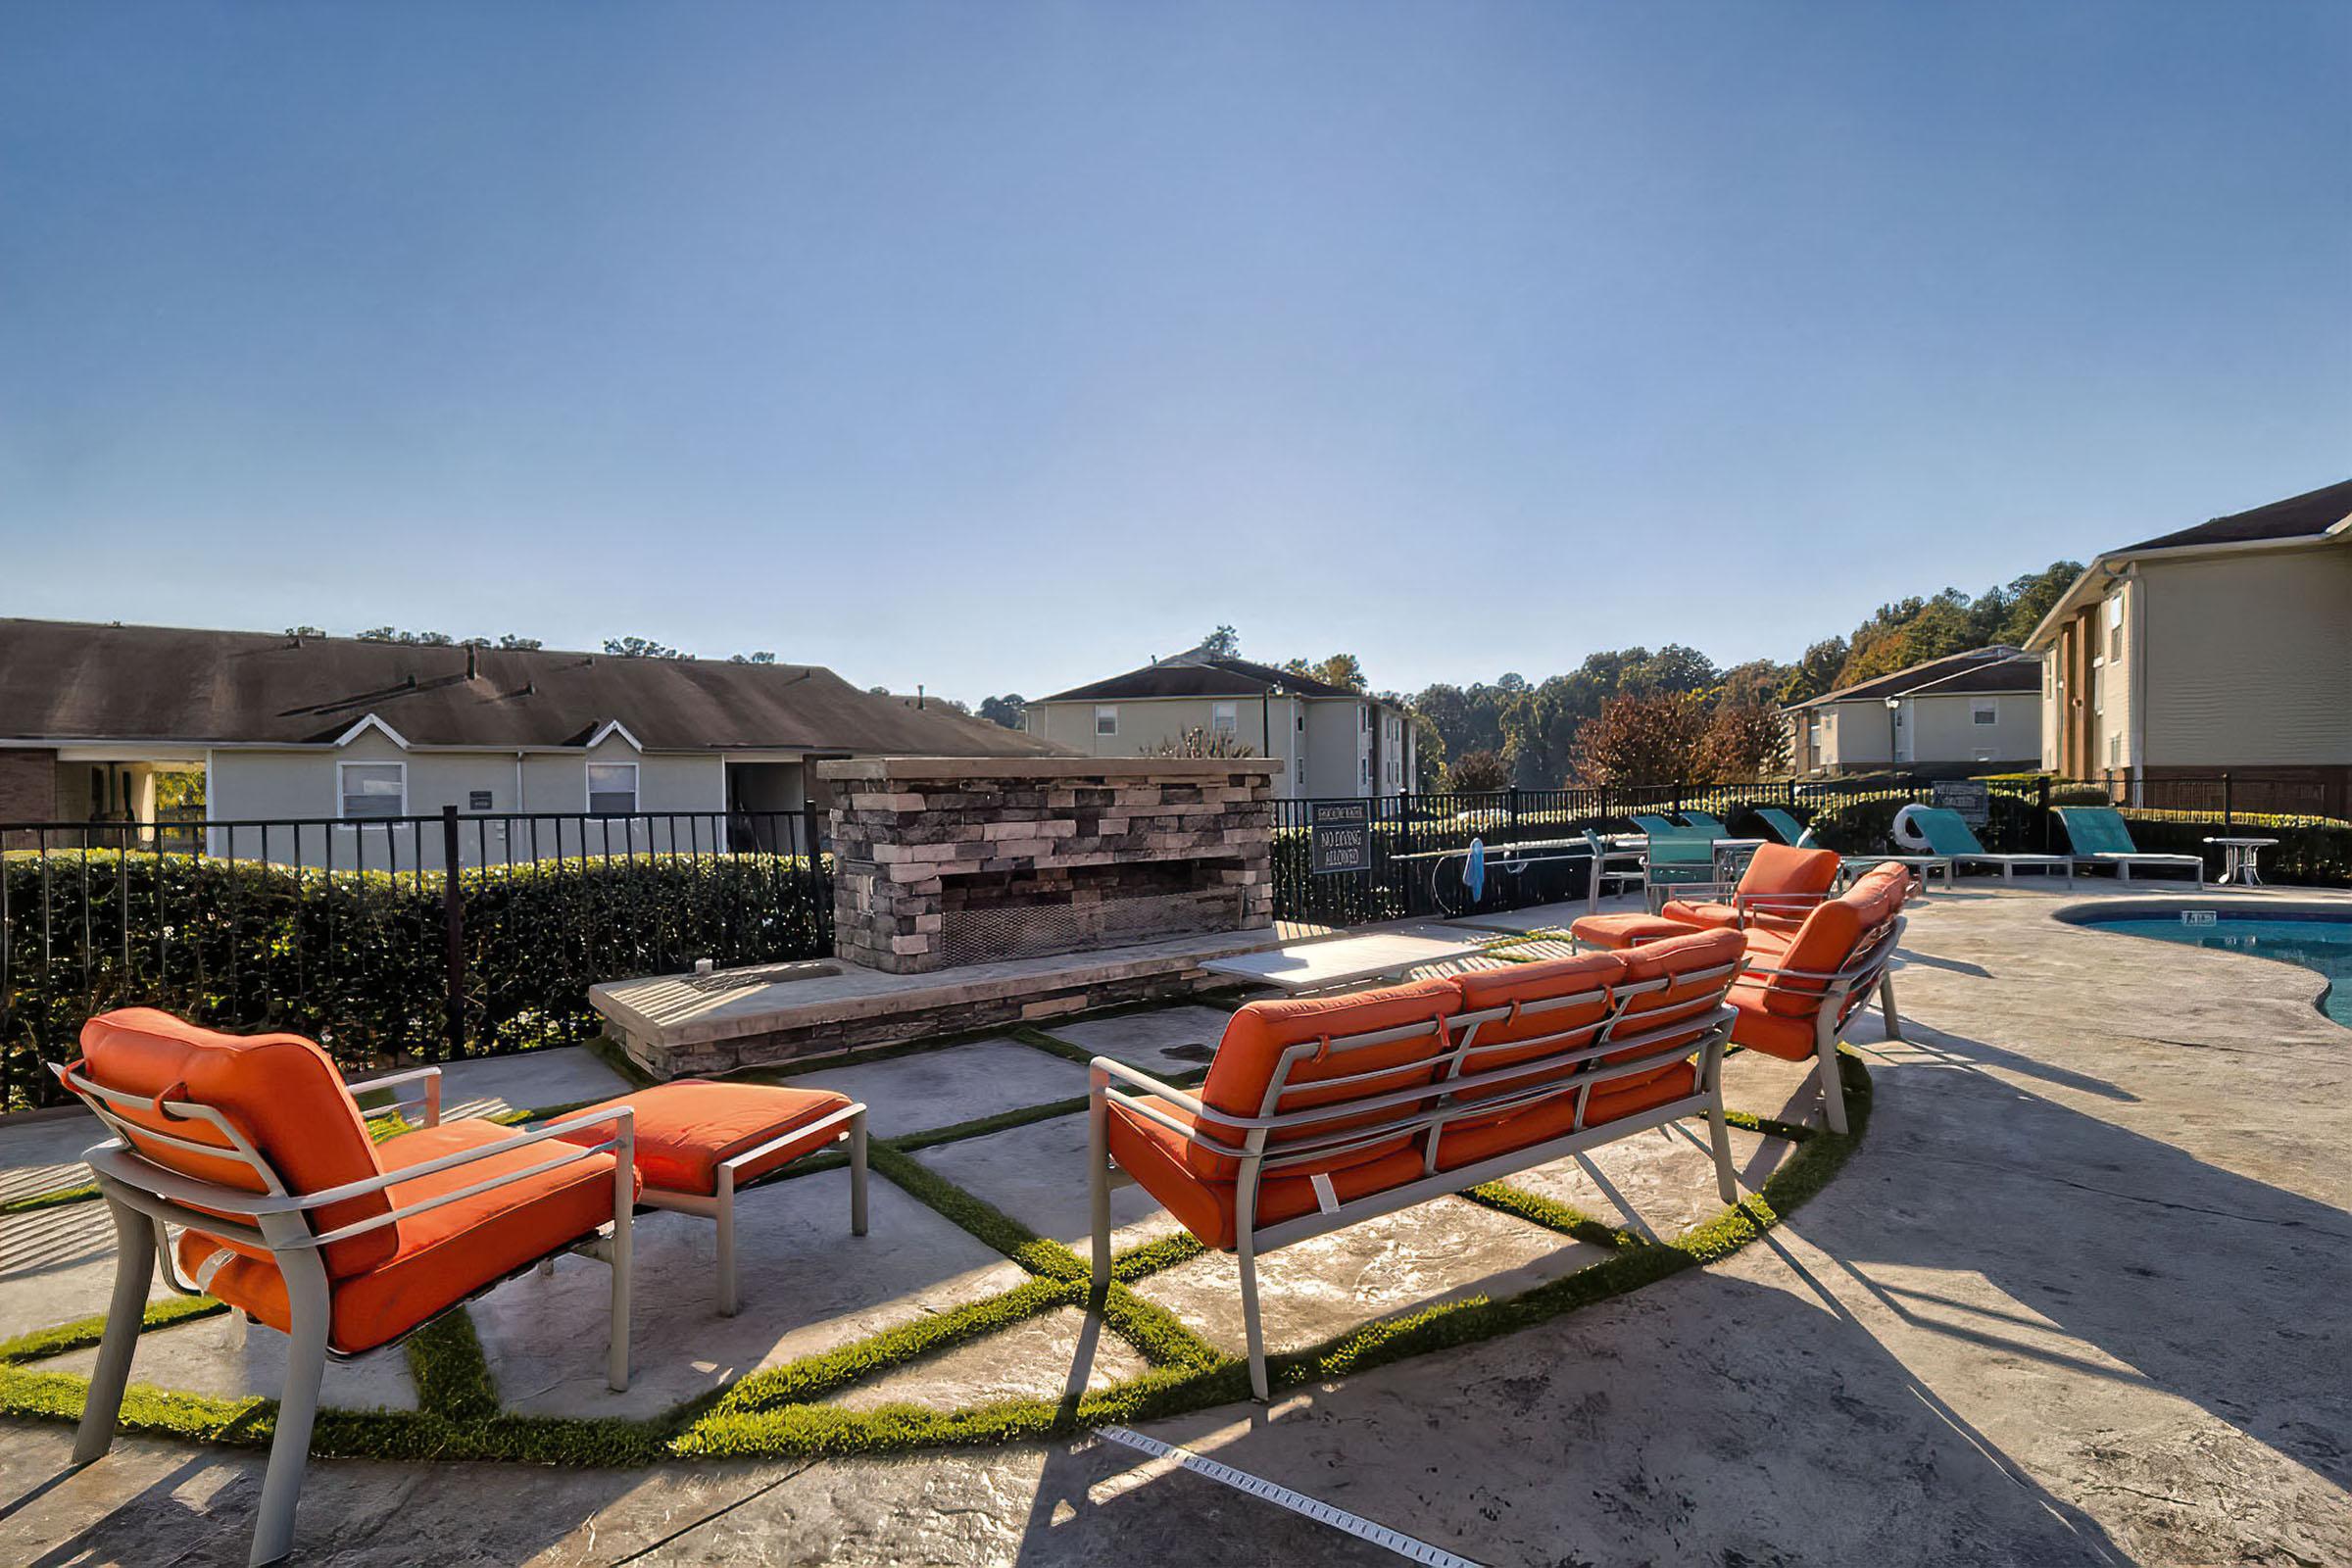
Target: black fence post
<point>2225,803</point>
<point>1677,796</point>
<point>2043,792</point>
<point>453,936</point>
<point>1513,808</point>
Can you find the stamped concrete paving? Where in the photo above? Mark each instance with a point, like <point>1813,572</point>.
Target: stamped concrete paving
<point>2081,1298</point>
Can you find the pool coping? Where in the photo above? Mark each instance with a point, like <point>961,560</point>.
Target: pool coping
<point>2300,906</point>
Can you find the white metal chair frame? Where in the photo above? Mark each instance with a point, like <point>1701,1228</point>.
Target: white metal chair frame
<point>145,1199</point>
<point>1697,1036</point>
<point>850,1119</point>
<point>1918,864</point>
<point>1844,993</point>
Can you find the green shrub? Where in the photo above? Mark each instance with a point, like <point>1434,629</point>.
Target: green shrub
<point>356,961</point>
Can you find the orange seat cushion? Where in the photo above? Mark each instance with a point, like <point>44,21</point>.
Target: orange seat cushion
<point>1617,932</point>
<point>1699,916</point>
<point>1761,1028</point>
<point>1259,1034</point>
<point>1552,1118</point>
<point>281,1093</point>
<point>687,1129</point>
<point>440,1257</point>
<point>1164,1164</point>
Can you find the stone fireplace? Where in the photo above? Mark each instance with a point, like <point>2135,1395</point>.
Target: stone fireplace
<point>945,862</point>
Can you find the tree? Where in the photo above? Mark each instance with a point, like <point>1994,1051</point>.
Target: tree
<point>306,631</point>
<point>1744,740</point>
<point>1343,671</point>
<point>641,648</point>
<point>764,657</point>
<point>1198,742</point>
<point>1008,710</point>
<point>1479,771</point>
<point>1815,672</point>
<point>1223,643</point>
<point>420,639</point>
<point>514,644</point>
<point>1644,739</point>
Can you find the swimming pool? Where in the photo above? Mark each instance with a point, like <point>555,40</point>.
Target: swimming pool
<point>2317,942</point>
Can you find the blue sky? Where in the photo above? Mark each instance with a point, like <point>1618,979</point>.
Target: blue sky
<point>1000,347</point>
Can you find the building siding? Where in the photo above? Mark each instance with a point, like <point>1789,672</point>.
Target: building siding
<point>2249,661</point>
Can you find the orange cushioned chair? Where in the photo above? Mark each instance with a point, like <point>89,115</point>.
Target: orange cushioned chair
<point>1801,989</point>
<point>1779,888</point>
<point>255,1148</point>
<point>1318,1113</point>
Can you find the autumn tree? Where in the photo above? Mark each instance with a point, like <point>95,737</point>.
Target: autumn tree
<point>1644,739</point>
<point>1343,671</point>
<point>1198,742</point>
<point>1478,772</point>
<point>1744,740</point>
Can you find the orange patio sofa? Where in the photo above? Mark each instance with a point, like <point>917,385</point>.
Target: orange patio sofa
<point>253,1146</point>
<point>1318,1113</point>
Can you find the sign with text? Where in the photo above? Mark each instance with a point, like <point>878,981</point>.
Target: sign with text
<point>1972,799</point>
<point>477,799</point>
<point>1340,836</point>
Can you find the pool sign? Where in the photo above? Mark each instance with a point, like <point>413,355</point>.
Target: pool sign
<point>1970,798</point>
<point>1340,836</point>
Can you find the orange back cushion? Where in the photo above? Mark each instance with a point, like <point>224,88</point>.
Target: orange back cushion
<point>1822,944</point>
<point>1590,978</point>
<point>281,1093</point>
<point>1691,989</point>
<point>1778,869</point>
<point>1258,1034</point>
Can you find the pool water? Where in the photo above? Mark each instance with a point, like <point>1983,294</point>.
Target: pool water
<point>2321,944</point>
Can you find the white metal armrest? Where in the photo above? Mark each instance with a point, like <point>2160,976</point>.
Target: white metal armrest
<point>123,1166</point>
<point>1158,1088</point>
<point>431,1097</point>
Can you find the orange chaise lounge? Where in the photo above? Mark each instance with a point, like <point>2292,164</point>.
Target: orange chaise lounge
<point>1779,888</point>
<point>257,1151</point>
<point>1318,1113</point>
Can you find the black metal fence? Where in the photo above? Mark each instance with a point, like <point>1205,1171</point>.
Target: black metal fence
<point>408,938</point>
<point>1855,817</point>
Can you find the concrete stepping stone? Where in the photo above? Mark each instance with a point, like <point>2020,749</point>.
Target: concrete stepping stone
<point>1048,1358</point>
<point>940,1088</point>
<point>1665,1177</point>
<point>1167,1043</point>
<point>1307,1291</point>
<point>807,1284</point>
<point>226,1359</point>
<point>1037,1174</point>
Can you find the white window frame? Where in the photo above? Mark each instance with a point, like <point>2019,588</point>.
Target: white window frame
<point>589,794</point>
<point>343,793</point>
<point>1984,711</point>
<point>1365,714</point>
<point>1109,710</point>
<point>1225,718</point>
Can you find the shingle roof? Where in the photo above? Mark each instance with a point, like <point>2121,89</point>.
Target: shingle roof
<point>1980,669</point>
<point>77,680</point>
<point>1199,677</point>
<point>2313,511</point>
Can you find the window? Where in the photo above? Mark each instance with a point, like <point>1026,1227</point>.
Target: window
<point>372,789</point>
<point>1365,714</point>
<point>1107,720</point>
<point>1363,771</point>
<point>1983,711</point>
<point>1221,718</point>
<point>2115,626</point>
<point>1302,720</point>
<point>612,788</point>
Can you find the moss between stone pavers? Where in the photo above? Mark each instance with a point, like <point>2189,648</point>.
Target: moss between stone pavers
<point>55,1197</point>
<point>768,1416</point>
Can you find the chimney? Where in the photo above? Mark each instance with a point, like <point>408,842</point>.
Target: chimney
<point>473,668</point>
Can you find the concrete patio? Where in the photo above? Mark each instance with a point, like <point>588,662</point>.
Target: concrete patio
<point>2079,1297</point>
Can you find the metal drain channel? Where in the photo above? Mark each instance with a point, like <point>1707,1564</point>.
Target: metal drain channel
<point>1395,1540</point>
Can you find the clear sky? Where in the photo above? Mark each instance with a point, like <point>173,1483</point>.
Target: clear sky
<point>1000,347</point>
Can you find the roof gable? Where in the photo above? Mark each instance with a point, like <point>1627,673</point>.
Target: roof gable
<point>1976,671</point>
<point>2309,514</point>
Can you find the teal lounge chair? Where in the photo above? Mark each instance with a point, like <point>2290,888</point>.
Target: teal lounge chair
<point>1678,859</point>
<point>1706,824</point>
<point>1950,838</point>
<point>2099,836</point>
<point>1787,828</point>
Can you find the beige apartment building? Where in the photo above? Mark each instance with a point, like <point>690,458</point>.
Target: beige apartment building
<point>1973,712</point>
<point>2223,646</point>
<point>1332,742</point>
<point>340,733</point>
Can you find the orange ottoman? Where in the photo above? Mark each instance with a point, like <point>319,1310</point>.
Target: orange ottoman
<point>699,1143</point>
<point>1618,932</point>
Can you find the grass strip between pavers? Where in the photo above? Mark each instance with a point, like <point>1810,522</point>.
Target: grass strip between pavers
<point>55,1197</point>
<point>769,1414</point>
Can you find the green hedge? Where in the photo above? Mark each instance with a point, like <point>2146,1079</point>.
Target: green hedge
<point>356,961</point>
